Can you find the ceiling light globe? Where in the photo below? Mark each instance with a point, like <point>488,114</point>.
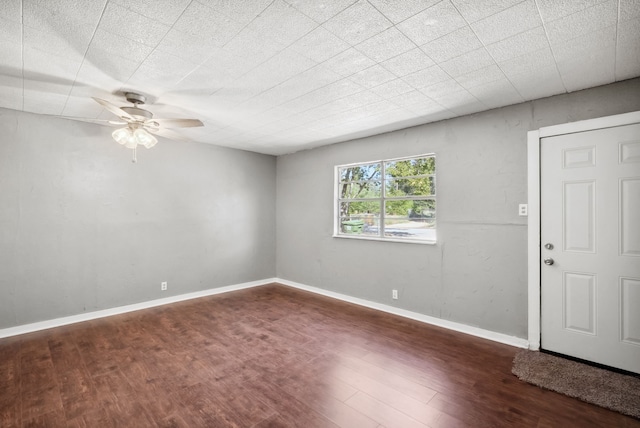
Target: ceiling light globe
<point>131,143</point>
<point>122,135</point>
<point>144,138</point>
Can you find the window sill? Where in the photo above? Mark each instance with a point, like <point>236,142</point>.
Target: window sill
<point>374,238</point>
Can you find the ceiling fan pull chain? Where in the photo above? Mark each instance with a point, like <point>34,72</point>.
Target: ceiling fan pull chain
<point>135,159</point>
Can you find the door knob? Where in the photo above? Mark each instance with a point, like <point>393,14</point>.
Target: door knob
<point>548,262</point>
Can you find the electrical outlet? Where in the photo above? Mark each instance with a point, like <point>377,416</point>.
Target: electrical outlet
<point>394,294</point>
<point>523,210</point>
<point>163,285</point>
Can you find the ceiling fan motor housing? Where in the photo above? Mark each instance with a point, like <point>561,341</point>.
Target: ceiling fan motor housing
<point>137,100</point>
<point>134,98</point>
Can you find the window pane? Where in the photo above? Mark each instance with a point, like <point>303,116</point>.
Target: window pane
<point>411,167</point>
<point>423,186</point>
<point>362,218</point>
<point>413,219</point>
<point>364,224</point>
<point>424,210</point>
<point>364,172</point>
<point>362,190</point>
<point>357,209</point>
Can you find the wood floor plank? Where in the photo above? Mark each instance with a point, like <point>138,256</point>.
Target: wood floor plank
<point>291,412</point>
<point>78,405</point>
<point>240,404</point>
<point>435,374</point>
<point>51,419</point>
<point>64,354</point>
<point>173,421</point>
<point>470,410</point>
<point>227,407</point>
<point>113,386</point>
<point>272,356</point>
<point>10,410</point>
<point>341,414</point>
<point>358,373</point>
<point>10,377</point>
<point>128,412</point>
<point>301,380</point>
<point>40,401</point>
<point>406,404</point>
<point>326,395</point>
<point>34,349</point>
<point>96,417</point>
<point>382,412</point>
<point>74,382</point>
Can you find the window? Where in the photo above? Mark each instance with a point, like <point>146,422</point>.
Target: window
<point>391,199</point>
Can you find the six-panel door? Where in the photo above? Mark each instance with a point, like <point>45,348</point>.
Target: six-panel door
<point>590,214</point>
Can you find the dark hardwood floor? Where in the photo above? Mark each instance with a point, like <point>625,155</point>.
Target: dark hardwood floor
<point>272,356</point>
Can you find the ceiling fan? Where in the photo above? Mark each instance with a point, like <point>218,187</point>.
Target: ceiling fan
<point>140,124</point>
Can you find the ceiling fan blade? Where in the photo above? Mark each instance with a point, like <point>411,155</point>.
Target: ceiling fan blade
<point>113,109</point>
<point>174,123</point>
<point>98,121</point>
<point>168,134</point>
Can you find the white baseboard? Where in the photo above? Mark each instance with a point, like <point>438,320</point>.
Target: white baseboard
<point>462,328</point>
<point>43,325</point>
<point>451,325</point>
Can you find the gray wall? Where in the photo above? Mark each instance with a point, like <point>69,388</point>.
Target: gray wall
<point>84,229</point>
<point>477,272</point>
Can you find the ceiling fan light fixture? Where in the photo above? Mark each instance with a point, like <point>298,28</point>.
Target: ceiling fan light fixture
<point>140,124</point>
<point>123,136</point>
<point>144,138</point>
<point>131,138</point>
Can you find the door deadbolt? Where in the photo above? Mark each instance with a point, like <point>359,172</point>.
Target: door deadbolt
<point>548,246</point>
<point>548,262</point>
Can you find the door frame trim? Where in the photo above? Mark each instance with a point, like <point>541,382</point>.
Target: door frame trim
<point>533,200</point>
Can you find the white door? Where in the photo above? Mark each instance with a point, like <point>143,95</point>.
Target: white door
<point>590,249</point>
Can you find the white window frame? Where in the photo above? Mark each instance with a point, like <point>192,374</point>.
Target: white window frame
<point>382,199</point>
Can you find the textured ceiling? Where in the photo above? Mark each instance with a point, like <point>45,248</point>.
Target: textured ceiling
<point>278,76</point>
